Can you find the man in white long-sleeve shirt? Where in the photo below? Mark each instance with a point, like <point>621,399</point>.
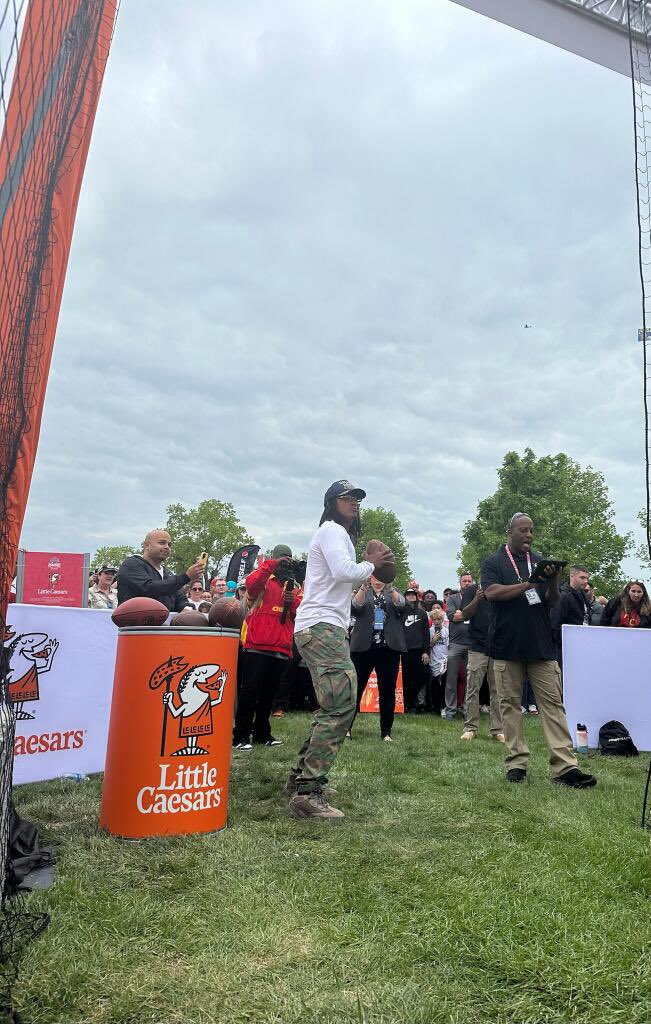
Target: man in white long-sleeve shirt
<point>321,634</point>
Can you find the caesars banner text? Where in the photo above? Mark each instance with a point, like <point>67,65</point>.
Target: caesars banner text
<point>61,677</point>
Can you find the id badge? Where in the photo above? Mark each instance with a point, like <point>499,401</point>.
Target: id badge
<point>378,620</point>
<point>532,596</point>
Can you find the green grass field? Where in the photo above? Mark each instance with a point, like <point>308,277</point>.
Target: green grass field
<point>447,895</point>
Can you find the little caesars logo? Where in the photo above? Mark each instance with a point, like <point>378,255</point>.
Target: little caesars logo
<point>30,656</point>
<point>183,788</point>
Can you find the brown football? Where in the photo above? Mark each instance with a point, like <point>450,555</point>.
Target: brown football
<point>226,612</point>
<point>140,611</point>
<point>189,617</point>
<point>387,573</point>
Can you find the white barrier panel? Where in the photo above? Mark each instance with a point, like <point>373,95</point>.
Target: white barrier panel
<point>606,675</point>
<point>61,678</point>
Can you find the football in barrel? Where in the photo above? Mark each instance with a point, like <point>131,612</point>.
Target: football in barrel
<point>140,611</point>
<point>189,617</point>
<point>226,612</point>
<point>387,572</point>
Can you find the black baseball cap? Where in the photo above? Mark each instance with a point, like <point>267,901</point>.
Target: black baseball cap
<point>108,568</point>
<point>341,487</point>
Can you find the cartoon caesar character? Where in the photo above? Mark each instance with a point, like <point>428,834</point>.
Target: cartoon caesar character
<point>30,655</point>
<point>195,691</point>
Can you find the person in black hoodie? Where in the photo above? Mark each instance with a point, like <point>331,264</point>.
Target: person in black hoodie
<point>572,608</point>
<point>146,576</point>
<point>415,660</point>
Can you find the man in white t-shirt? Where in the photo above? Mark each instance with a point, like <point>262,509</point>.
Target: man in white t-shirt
<point>321,635</point>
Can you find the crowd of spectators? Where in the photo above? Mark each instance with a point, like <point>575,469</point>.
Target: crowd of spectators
<point>438,647</point>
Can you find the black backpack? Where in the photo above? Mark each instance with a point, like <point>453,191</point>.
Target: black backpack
<point>615,741</point>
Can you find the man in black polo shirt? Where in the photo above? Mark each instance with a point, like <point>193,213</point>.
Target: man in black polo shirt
<point>520,641</point>
<point>474,609</point>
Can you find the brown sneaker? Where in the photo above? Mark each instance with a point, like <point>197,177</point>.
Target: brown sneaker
<point>499,737</point>
<point>467,734</point>
<point>313,805</point>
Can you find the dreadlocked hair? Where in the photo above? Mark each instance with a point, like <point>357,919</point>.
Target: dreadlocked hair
<point>330,513</point>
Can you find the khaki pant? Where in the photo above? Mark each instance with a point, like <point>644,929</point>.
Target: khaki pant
<point>480,665</point>
<point>545,678</point>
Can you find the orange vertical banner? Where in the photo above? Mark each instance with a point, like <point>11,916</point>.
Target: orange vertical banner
<point>60,64</point>
<point>370,701</point>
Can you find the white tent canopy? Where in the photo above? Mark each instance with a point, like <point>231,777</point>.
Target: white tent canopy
<point>595,29</point>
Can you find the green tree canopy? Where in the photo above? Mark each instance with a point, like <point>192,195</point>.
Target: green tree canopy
<point>213,527</point>
<point>642,550</point>
<point>572,513</point>
<point>113,555</point>
<point>383,524</point>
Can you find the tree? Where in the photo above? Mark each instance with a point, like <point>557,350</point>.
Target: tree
<point>213,527</point>
<point>572,513</point>
<point>112,555</point>
<point>642,550</point>
<point>383,524</point>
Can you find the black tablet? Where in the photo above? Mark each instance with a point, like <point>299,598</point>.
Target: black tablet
<point>539,572</point>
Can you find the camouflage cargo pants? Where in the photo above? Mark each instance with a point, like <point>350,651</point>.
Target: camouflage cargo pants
<point>324,648</point>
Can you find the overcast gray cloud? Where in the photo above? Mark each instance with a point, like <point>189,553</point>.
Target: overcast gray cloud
<point>308,240</point>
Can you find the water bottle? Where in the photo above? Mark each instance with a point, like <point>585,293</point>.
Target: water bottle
<point>581,738</point>
<point>74,777</point>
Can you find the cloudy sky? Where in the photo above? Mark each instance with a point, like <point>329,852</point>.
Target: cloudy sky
<point>308,240</point>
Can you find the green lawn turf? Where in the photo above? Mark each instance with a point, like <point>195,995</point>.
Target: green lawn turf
<point>446,895</point>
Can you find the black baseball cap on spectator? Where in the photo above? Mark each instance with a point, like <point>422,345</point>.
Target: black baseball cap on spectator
<point>341,487</point>
<point>108,568</point>
<point>410,590</point>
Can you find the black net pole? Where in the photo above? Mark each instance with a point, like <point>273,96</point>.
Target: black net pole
<point>639,24</point>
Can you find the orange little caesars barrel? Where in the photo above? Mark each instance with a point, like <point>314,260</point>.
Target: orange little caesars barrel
<point>170,733</point>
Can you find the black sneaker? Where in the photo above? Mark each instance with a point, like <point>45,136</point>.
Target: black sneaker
<point>576,779</point>
<point>516,775</point>
<point>272,742</point>
<point>243,746</point>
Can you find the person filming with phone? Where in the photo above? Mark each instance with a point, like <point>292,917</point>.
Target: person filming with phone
<point>521,587</point>
<point>146,576</point>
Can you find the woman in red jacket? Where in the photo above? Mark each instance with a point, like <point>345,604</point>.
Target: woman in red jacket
<point>273,598</point>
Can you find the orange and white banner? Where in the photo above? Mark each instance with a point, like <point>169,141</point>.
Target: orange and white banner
<point>370,701</point>
<point>61,664</point>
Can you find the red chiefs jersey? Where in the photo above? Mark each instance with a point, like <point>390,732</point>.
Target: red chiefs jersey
<point>264,630</point>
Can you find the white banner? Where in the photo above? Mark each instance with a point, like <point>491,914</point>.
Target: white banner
<point>606,675</point>
<point>61,679</point>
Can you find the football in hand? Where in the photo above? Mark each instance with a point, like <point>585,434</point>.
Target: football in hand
<point>385,573</point>
<point>140,611</point>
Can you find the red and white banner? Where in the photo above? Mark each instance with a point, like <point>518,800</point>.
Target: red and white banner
<point>371,697</point>
<point>52,578</point>
<point>60,680</point>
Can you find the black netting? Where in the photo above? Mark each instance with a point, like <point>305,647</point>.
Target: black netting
<point>49,51</point>
<point>639,26</point>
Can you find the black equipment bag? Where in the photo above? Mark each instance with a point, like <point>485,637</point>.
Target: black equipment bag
<point>615,740</point>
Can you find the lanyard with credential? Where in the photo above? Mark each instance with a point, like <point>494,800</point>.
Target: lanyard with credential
<point>512,561</point>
